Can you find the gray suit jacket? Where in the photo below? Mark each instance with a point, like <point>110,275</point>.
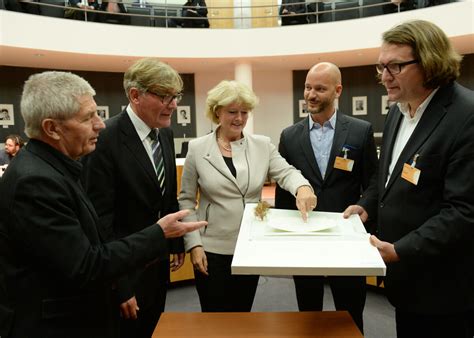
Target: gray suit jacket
<point>222,196</point>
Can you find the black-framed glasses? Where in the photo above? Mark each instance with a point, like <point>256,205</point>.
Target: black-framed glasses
<point>167,99</point>
<point>393,68</point>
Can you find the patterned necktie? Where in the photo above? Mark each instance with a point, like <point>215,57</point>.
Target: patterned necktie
<point>158,159</point>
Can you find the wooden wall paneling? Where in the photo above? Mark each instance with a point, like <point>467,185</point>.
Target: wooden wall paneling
<point>264,16</point>
<point>218,10</point>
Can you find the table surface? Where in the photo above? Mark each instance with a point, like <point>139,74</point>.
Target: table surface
<point>341,251</point>
<point>256,325</point>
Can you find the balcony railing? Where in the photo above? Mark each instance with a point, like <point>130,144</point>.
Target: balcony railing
<point>142,13</point>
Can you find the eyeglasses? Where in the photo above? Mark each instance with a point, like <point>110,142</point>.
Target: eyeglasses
<point>167,99</point>
<point>393,68</point>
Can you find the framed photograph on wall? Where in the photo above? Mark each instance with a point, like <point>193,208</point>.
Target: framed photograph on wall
<point>103,112</point>
<point>7,116</point>
<point>302,108</point>
<point>359,105</point>
<point>183,114</point>
<point>386,104</point>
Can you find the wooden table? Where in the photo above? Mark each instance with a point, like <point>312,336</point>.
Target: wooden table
<point>256,325</point>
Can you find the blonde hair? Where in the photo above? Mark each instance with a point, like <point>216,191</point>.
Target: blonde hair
<point>226,93</point>
<point>154,75</point>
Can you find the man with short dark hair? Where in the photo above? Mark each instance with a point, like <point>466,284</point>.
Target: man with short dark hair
<point>13,143</point>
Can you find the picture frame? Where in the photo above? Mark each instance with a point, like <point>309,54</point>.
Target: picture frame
<point>386,104</point>
<point>7,115</point>
<point>303,112</point>
<point>183,114</point>
<point>103,112</point>
<point>359,105</point>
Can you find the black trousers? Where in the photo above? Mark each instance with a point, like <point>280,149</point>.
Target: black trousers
<point>221,291</point>
<point>349,293</point>
<point>148,316</point>
<point>412,325</point>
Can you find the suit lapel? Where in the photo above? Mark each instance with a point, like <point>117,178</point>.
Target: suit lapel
<point>340,136</point>
<point>214,157</point>
<point>305,143</point>
<point>390,133</point>
<point>132,142</point>
<point>433,114</point>
<point>241,165</point>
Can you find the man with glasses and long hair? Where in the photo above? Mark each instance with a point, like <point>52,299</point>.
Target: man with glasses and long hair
<point>131,180</point>
<point>423,197</point>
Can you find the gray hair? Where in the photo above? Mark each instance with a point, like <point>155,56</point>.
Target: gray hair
<point>51,95</point>
<point>154,75</point>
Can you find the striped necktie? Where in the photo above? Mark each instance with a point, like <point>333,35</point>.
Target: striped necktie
<point>158,159</point>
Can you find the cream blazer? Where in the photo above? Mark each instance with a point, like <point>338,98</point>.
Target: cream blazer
<point>222,197</point>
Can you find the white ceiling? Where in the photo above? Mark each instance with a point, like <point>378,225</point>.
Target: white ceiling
<point>48,42</point>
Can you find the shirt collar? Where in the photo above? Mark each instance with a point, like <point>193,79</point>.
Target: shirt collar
<point>141,127</point>
<point>419,111</point>
<point>332,121</point>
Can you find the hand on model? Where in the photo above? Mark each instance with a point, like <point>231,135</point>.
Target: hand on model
<point>358,210</point>
<point>305,200</point>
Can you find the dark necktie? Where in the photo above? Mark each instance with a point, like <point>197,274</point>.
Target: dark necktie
<point>158,159</point>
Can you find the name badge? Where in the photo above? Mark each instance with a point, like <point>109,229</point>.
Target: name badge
<point>410,173</point>
<point>343,163</point>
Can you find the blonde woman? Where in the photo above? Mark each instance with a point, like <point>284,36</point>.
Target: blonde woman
<point>228,168</point>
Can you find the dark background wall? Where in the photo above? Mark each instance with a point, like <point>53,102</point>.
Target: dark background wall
<point>357,81</point>
<point>361,81</point>
<point>108,87</point>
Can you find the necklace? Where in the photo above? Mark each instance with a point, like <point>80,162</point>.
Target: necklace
<point>223,145</point>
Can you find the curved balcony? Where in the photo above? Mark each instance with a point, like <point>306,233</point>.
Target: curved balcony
<point>272,54</point>
<point>217,14</point>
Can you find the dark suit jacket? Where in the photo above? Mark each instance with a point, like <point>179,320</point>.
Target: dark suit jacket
<point>340,188</point>
<point>297,8</point>
<point>431,224</point>
<point>56,276</point>
<point>121,182</point>
<point>200,7</point>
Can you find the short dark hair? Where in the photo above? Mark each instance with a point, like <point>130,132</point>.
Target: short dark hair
<point>16,139</point>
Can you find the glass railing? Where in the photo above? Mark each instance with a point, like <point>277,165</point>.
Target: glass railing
<point>152,14</point>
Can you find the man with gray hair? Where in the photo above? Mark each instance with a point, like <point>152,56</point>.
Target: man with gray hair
<point>131,180</point>
<point>57,276</point>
